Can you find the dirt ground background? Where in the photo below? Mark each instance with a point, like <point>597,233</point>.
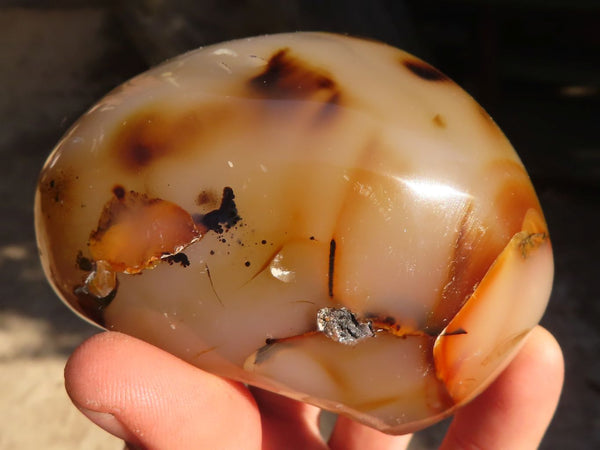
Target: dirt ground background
<point>535,68</point>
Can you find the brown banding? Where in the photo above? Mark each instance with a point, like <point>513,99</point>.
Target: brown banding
<point>474,252</point>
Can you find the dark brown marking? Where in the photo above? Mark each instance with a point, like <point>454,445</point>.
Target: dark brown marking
<point>332,246</point>
<point>177,258</point>
<point>424,70</point>
<point>84,263</point>
<point>531,242</point>
<point>161,130</point>
<point>456,332</point>
<point>206,197</point>
<point>389,320</point>
<point>287,77</point>
<point>271,341</point>
<point>223,218</point>
<point>439,121</point>
<point>247,263</point>
<point>119,191</point>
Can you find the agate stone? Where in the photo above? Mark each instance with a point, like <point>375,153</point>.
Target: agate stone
<point>325,217</point>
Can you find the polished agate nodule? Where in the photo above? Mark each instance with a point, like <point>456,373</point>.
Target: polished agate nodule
<point>325,217</point>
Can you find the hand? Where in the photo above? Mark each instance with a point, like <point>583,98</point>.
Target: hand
<point>153,400</point>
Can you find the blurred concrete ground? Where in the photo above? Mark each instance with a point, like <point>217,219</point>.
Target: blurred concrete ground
<point>544,93</point>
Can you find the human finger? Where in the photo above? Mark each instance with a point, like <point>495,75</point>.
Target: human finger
<point>515,411</point>
<point>288,423</point>
<point>351,435</point>
<point>154,400</point>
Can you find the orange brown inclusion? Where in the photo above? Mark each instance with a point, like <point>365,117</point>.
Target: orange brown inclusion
<point>134,232</point>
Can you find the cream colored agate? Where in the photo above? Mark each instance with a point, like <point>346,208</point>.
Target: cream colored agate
<point>363,179</point>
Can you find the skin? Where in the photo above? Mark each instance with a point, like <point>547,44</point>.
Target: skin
<point>153,400</point>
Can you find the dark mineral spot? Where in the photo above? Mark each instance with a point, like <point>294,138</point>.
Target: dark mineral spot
<point>212,252</point>
<point>84,263</point>
<point>424,70</point>
<point>247,263</point>
<point>332,246</point>
<point>439,121</point>
<point>177,258</point>
<point>119,191</point>
<point>206,197</point>
<point>288,77</point>
<point>56,188</point>
<point>223,218</point>
<point>263,242</point>
<point>389,320</point>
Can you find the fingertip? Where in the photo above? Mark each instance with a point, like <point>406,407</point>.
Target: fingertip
<point>515,411</point>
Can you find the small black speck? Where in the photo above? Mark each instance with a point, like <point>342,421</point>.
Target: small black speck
<point>51,183</point>
<point>212,252</point>
<point>312,238</point>
<point>263,242</point>
<point>247,263</point>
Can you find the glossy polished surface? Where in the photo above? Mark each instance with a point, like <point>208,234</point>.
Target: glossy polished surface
<point>325,217</point>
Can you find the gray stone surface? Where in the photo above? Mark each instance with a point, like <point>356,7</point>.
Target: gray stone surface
<point>55,62</point>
